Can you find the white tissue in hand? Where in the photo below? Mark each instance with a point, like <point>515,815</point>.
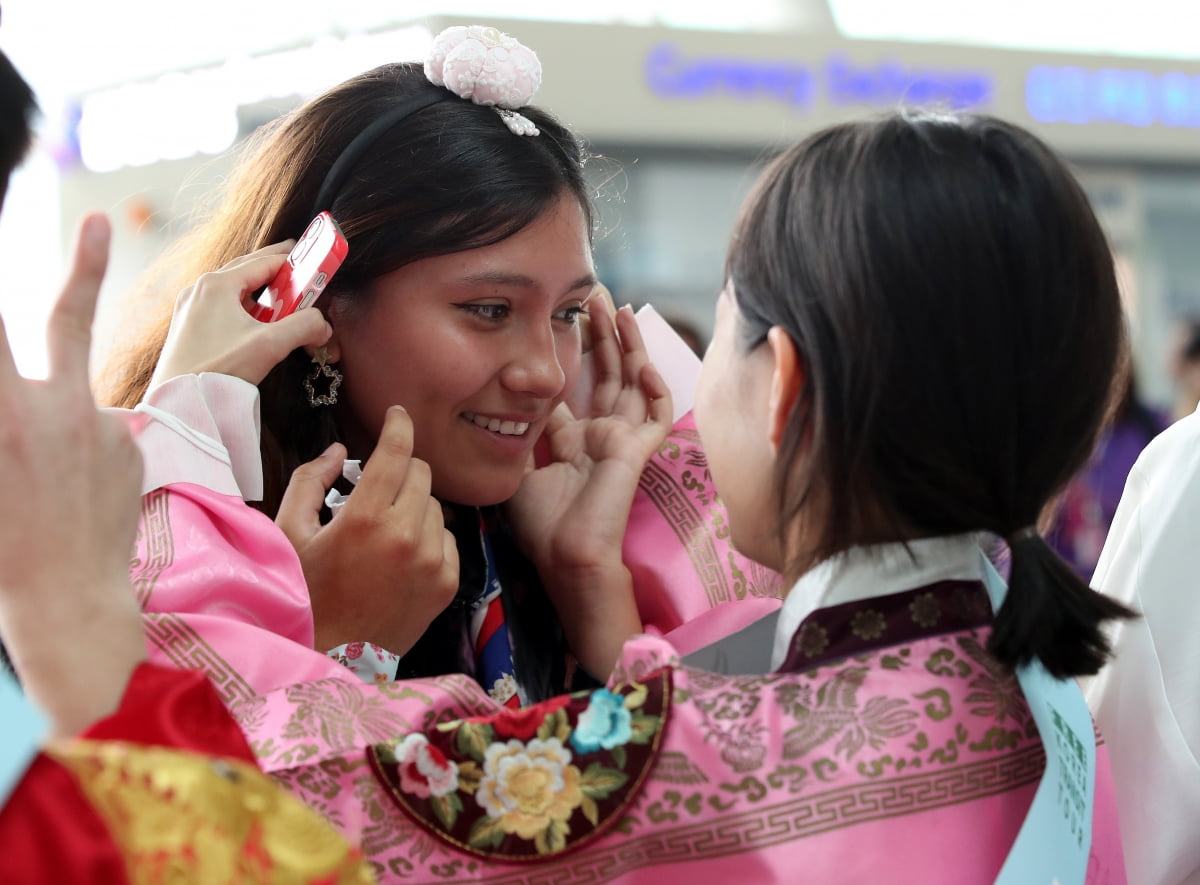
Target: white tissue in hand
<point>352,472</point>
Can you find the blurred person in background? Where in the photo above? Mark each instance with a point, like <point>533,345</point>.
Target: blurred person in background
<point>1084,511</point>
<point>688,331</point>
<point>1184,367</point>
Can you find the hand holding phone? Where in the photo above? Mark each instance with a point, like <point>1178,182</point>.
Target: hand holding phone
<point>306,272</point>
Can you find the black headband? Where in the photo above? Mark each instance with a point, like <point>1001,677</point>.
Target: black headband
<point>353,152</point>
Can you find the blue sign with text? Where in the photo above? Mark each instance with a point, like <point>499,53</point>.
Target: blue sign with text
<point>671,73</point>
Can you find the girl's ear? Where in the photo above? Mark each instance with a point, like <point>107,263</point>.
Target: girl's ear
<point>332,347</point>
<point>787,380</point>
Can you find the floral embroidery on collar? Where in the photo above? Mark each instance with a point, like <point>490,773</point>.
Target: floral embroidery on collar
<point>530,783</point>
<point>851,628</point>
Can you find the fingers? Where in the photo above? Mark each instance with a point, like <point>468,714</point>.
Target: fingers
<point>444,564</point>
<point>304,328</point>
<point>9,376</point>
<point>559,418</point>
<point>69,334</point>
<point>212,330</point>
<point>299,514</point>
<point>123,460</point>
<point>282,248</point>
<point>660,406</point>
<point>450,560</point>
<point>386,469</point>
<point>600,299</point>
<point>606,356</point>
<point>243,276</point>
<point>633,348</point>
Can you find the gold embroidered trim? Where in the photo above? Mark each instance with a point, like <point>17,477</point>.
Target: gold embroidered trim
<point>180,816</point>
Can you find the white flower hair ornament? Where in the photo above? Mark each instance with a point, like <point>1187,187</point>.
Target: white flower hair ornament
<point>487,67</point>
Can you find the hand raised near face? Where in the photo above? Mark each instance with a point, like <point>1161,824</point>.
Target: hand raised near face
<point>571,513</point>
<point>73,476</point>
<point>211,330</point>
<point>386,565</point>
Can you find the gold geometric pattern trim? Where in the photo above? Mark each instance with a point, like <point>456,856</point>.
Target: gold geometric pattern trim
<point>185,648</point>
<point>155,547</point>
<point>687,523</point>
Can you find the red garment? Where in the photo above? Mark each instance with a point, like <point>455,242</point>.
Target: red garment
<point>165,707</point>
<point>124,805</point>
<point>49,832</point>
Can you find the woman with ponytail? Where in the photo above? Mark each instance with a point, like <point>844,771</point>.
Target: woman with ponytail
<point>941,308</point>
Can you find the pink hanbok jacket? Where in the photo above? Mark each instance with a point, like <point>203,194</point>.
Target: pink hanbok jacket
<point>880,742</point>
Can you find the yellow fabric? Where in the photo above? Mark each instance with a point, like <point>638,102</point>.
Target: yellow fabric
<point>181,816</point>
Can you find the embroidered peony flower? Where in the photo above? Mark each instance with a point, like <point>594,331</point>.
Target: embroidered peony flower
<point>605,723</point>
<point>424,769</point>
<point>524,723</point>
<point>354,651</point>
<point>528,786</point>
<point>484,65</point>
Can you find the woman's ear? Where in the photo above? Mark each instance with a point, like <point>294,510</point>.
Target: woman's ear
<point>332,348</point>
<point>787,381</point>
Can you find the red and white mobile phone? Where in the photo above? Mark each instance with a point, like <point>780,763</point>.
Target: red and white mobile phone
<point>309,267</point>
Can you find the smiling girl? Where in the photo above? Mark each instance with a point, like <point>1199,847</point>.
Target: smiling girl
<point>469,268</point>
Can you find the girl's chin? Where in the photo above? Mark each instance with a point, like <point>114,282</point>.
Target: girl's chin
<point>480,495</point>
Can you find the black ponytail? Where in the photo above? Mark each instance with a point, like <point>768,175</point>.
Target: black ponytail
<point>1051,614</point>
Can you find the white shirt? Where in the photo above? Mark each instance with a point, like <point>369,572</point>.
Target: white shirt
<point>876,570</point>
<point>1146,702</point>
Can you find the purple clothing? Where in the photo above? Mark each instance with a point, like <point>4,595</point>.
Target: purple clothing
<point>1088,503</point>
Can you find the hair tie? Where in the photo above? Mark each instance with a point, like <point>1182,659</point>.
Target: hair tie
<point>1028,533</point>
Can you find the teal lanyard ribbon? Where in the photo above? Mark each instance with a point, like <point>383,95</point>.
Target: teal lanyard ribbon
<point>1055,840</point>
<point>24,729</point>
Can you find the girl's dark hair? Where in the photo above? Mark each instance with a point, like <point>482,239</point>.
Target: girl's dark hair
<point>18,107</point>
<point>444,179</point>
<point>954,303</point>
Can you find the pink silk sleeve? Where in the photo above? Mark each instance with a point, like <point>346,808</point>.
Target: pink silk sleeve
<point>692,587</point>
<point>220,585</point>
<point>222,591</point>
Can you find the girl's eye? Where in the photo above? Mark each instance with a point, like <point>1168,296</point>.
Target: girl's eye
<point>491,312</point>
<point>571,314</point>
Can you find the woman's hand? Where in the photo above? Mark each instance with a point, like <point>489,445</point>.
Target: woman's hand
<point>73,475</point>
<point>570,515</point>
<point>211,330</point>
<point>386,566</point>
